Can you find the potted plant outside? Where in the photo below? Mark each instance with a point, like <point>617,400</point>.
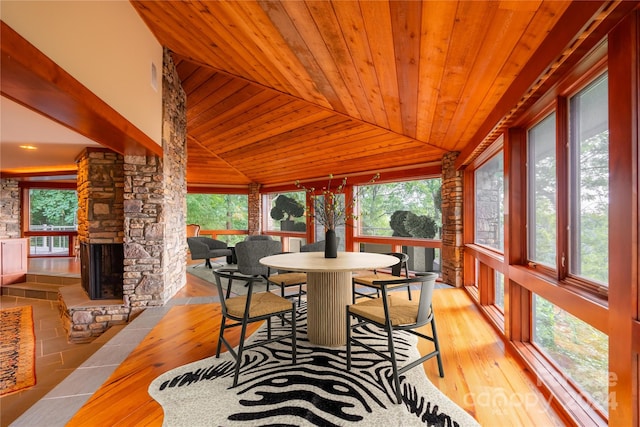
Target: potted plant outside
<point>408,224</point>
<point>284,210</point>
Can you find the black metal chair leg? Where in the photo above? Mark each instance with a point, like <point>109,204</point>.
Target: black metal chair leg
<point>229,288</point>
<point>240,350</point>
<point>222,326</point>
<point>348,340</point>
<point>293,337</point>
<point>436,343</point>
<point>394,365</point>
<point>269,328</point>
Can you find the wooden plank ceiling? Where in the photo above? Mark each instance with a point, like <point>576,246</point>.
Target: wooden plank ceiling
<point>279,91</point>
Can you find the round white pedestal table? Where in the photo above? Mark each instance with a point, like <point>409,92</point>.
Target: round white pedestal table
<point>328,288</point>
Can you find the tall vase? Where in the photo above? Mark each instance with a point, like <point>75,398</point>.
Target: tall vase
<point>330,244</point>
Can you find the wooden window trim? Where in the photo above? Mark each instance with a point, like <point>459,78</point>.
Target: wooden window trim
<point>561,107</point>
<point>489,154</point>
<point>559,390</point>
<point>582,305</point>
<point>487,256</point>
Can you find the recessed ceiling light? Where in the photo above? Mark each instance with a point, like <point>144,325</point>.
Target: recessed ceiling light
<point>29,147</point>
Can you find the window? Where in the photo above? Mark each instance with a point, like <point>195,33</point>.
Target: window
<point>542,210</point>
<point>499,290</point>
<point>219,212</point>
<point>286,211</point>
<point>589,182</point>
<point>489,203</point>
<point>340,227</point>
<point>401,209</point>
<point>52,211</point>
<point>580,351</point>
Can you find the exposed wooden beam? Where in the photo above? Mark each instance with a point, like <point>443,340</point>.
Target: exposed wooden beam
<point>32,79</point>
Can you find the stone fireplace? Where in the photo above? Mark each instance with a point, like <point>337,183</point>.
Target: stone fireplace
<point>101,222</point>
<point>102,266</point>
<point>137,202</point>
<point>98,302</point>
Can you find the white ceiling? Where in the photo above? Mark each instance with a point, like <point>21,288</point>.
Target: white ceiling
<point>56,146</point>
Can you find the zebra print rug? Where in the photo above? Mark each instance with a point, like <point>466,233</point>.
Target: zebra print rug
<point>317,391</point>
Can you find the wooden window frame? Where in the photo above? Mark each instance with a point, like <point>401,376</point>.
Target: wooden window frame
<point>521,278</point>
<point>25,215</point>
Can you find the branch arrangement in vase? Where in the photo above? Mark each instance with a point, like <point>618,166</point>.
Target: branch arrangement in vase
<point>330,213</point>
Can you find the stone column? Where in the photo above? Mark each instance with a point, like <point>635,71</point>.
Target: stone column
<point>9,208</point>
<point>174,145</point>
<point>100,185</point>
<point>144,208</point>
<point>144,231</point>
<point>452,241</point>
<point>100,188</point>
<point>155,207</point>
<point>255,209</point>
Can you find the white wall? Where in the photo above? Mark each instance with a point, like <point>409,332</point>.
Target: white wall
<point>105,45</point>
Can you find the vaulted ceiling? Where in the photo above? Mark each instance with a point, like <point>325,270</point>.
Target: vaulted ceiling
<point>286,90</point>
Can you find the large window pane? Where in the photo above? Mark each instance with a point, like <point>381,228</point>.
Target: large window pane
<point>499,290</point>
<point>589,203</point>
<point>401,209</point>
<point>542,209</point>
<point>53,210</point>
<point>489,193</point>
<point>580,351</point>
<point>48,245</point>
<point>286,211</point>
<point>219,212</point>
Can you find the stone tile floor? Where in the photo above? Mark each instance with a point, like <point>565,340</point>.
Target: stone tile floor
<point>55,357</point>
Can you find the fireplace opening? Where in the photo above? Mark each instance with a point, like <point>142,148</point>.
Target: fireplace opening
<point>101,269</point>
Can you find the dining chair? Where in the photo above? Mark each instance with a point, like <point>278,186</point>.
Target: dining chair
<point>367,280</point>
<point>285,279</point>
<point>253,307</point>
<point>394,313</point>
<point>253,237</point>
<point>313,247</point>
<point>317,246</point>
<point>248,255</point>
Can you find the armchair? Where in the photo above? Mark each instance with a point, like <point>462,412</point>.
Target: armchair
<point>207,248</point>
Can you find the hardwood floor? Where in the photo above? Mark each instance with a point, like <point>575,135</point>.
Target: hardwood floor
<point>479,375</point>
<point>54,265</point>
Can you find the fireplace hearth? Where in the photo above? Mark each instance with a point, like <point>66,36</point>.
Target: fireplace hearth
<point>101,269</point>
